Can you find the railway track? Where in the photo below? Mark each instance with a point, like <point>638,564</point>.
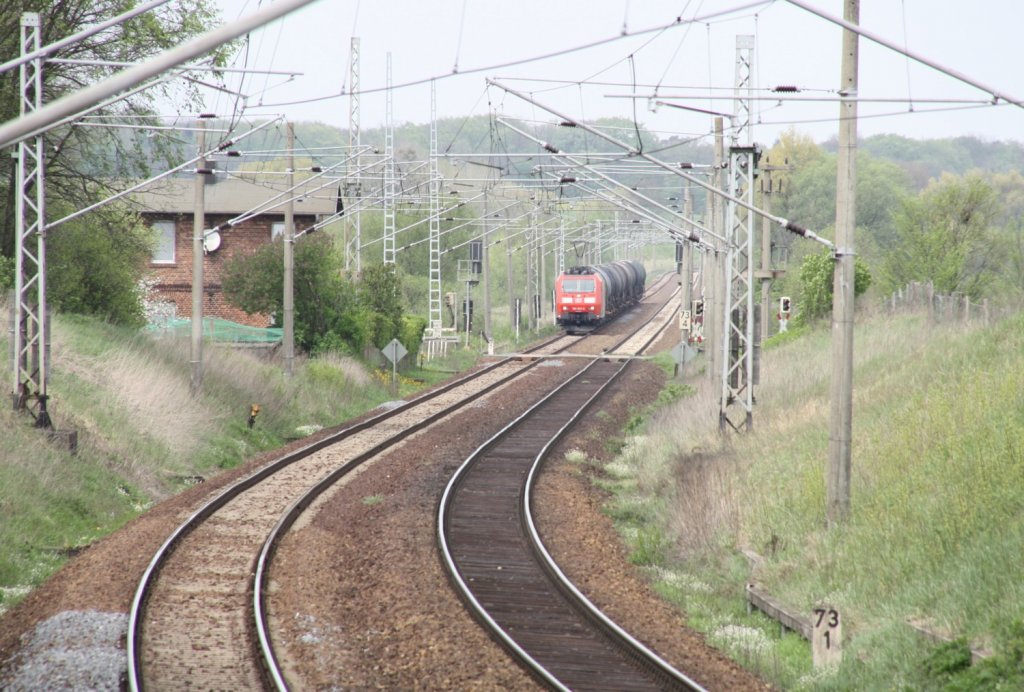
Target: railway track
<point>193,620</point>
<point>497,561</point>
<point>199,616</point>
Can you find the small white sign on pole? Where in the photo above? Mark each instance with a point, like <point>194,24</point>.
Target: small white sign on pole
<point>394,352</point>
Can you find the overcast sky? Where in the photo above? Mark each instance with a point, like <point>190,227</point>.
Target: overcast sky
<point>435,38</point>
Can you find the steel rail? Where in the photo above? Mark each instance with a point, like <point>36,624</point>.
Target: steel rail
<point>262,573</point>
<point>271,665</point>
<point>160,558</point>
<point>566,584</point>
<point>625,641</point>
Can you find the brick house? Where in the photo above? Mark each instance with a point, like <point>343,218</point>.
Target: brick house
<point>169,205</point>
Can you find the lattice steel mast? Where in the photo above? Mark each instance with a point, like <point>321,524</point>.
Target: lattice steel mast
<point>31,331</point>
<point>352,254</point>
<point>390,187</point>
<point>737,399</point>
<point>434,309</point>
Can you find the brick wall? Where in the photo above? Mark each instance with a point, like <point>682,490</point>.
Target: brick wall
<point>173,282</point>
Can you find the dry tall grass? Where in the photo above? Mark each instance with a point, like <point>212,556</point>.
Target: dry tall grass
<point>707,473</point>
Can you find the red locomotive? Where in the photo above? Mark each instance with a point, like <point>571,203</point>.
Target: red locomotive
<point>587,296</point>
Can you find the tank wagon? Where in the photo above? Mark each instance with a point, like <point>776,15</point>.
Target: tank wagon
<point>587,296</point>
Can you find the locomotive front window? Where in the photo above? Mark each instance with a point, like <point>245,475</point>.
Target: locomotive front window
<point>578,285</point>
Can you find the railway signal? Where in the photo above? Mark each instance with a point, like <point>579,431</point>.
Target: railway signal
<point>785,309</point>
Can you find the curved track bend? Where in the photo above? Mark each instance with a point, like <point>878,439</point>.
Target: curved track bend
<point>192,621</point>
<point>497,561</point>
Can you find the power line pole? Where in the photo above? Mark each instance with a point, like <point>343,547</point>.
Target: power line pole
<point>198,225</point>
<point>31,330</point>
<point>434,324</point>
<point>737,344</point>
<point>352,253</point>
<point>713,276</point>
<point>289,262</point>
<point>840,429</point>
<point>765,275</point>
<point>390,188</point>
<point>531,270</point>
<point>485,256</point>
<point>685,250</point>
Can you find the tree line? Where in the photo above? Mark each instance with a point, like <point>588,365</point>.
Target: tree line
<point>960,230</point>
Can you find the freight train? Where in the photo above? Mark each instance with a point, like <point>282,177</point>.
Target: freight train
<point>587,296</point>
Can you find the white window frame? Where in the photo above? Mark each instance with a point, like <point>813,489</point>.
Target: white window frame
<point>167,231</point>
<point>276,230</point>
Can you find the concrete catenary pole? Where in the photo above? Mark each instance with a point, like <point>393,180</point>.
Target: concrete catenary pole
<point>838,471</point>
<point>486,268</point>
<point>198,225</point>
<point>289,262</point>
<point>766,275</point>
<point>512,315</point>
<point>716,276</point>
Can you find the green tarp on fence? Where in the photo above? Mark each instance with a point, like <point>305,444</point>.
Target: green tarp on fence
<point>216,329</point>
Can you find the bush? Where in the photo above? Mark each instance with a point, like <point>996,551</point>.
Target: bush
<point>6,275</point>
<point>94,267</point>
<point>816,283</point>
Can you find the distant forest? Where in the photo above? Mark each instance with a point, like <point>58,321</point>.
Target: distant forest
<point>487,140</point>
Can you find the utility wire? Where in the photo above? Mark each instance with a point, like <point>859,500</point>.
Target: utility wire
<point>906,58</point>
<point>678,21</point>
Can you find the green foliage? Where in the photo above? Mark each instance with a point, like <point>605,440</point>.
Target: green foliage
<point>816,285</point>
<point>80,159</point>
<point>380,293</point>
<point>327,313</point>
<point>949,667</point>
<point>146,436</point>
<point>6,274</point>
<point>947,660</point>
<point>792,333</point>
<point>94,267</point>
<point>673,391</point>
<point>331,313</point>
<point>944,236</point>
<point>649,546</point>
<point>810,197</point>
<point>927,159</point>
<point>411,335</point>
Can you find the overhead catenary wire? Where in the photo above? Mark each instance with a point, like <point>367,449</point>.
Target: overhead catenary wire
<point>75,103</point>
<point>220,147</point>
<point>677,21</point>
<point>997,94</point>
<point>784,223</point>
<point>576,163</point>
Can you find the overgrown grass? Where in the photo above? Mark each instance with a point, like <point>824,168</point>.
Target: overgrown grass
<point>937,520</point>
<point>143,436</point>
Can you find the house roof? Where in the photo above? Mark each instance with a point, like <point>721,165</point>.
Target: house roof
<point>236,195</point>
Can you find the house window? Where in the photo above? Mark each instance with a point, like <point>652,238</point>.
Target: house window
<point>164,251</point>
<point>276,230</point>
